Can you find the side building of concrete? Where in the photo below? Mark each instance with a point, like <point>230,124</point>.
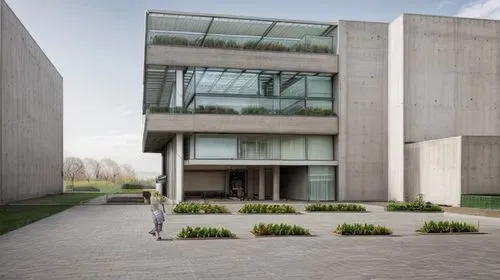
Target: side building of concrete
<point>31,120</point>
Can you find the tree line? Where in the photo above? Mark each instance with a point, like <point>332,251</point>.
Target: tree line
<point>75,169</point>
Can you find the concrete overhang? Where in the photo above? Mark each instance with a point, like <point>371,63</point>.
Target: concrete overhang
<point>159,128</point>
<point>175,56</point>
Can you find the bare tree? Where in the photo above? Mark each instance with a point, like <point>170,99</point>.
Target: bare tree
<point>91,168</point>
<point>128,172</point>
<point>73,168</point>
<point>110,169</point>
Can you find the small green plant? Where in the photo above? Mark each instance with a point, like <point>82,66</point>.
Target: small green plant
<point>204,232</point>
<point>335,208</point>
<point>251,110</point>
<point>314,111</point>
<point>262,229</point>
<point>267,209</point>
<point>214,109</point>
<point>418,205</point>
<point>447,227</point>
<point>362,229</point>
<point>199,208</point>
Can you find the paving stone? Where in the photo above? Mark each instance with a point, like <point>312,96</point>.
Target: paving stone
<point>111,242</point>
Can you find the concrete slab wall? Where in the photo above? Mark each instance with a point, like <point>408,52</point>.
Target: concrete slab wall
<point>294,183</point>
<point>434,168</point>
<point>241,59</point>
<point>452,71</point>
<point>31,115</point>
<point>362,110</point>
<point>481,165</point>
<point>396,89</point>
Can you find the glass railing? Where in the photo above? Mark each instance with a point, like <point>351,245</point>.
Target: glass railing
<point>269,105</point>
<point>309,44</point>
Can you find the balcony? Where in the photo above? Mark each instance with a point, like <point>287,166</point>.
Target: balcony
<point>194,40</point>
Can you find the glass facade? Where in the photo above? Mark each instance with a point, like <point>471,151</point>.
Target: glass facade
<point>259,147</point>
<point>254,93</point>
<point>321,183</point>
<point>228,32</point>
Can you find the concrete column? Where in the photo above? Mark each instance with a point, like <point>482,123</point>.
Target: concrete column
<point>179,167</point>
<point>262,183</point>
<point>179,88</point>
<point>276,183</point>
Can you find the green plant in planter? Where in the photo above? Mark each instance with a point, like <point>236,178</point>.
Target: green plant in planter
<point>250,45</point>
<point>204,232</point>
<point>253,110</point>
<point>271,46</point>
<point>250,208</point>
<point>199,208</point>
<point>362,229</point>
<point>418,205</point>
<point>170,40</point>
<point>311,48</point>
<point>335,208</point>
<point>214,109</point>
<point>447,227</point>
<point>315,111</point>
<point>262,229</point>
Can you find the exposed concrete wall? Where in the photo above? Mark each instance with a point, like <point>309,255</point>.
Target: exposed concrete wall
<point>481,165</point>
<point>396,89</point>
<point>444,76</point>
<point>453,70</point>
<point>434,168</point>
<point>204,180</point>
<point>31,115</point>
<point>362,110</point>
<point>241,59</point>
<point>294,183</point>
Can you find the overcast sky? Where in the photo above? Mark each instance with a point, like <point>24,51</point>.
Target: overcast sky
<point>97,46</point>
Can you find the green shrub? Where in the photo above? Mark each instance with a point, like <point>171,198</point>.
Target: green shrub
<point>214,109</point>
<point>314,111</point>
<point>204,232</point>
<point>170,40</point>
<point>199,208</point>
<point>335,208</point>
<point>362,229</point>
<point>262,229</point>
<point>267,209</point>
<point>417,205</point>
<point>446,227</point>
<point>251,110</point>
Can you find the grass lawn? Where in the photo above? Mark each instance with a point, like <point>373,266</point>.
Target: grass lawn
<point>15,216</point>
<point>103,186</point>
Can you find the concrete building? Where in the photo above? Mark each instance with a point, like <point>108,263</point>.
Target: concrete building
<point>271,108</point>
<point>31,134</point>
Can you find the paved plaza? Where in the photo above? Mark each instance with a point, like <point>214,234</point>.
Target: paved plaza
<point>111,242</point>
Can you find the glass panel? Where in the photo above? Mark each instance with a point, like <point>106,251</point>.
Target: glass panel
<point>216,147</point>
<point>321,183</point>
<point>293,148</point>
<point>260,147</point>
<point>293,86</point>
<point>319,148</point>
<point>319,87</point>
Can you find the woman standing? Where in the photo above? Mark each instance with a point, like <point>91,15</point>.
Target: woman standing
<point>158,215</point>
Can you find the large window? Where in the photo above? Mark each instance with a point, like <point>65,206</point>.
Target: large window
<point>321,183</point>
<point>215,147</point>
<point>259,147</point>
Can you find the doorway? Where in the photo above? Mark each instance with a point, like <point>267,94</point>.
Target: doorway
<point>237,183</point>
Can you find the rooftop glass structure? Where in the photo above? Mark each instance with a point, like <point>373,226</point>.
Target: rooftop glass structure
<point>220,31</point>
